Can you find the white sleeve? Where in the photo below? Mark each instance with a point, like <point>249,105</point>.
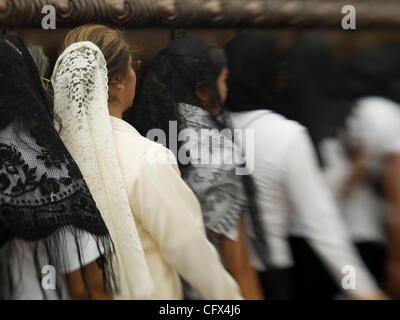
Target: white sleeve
<point>171,213</point>
<point>318,217</point>
<point>337,166</point>
<point>89,250</point>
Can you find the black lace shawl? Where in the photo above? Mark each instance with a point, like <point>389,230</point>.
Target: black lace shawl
<point>42,193</point>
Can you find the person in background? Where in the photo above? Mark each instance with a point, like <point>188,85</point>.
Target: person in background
<point>49,221</point>
<point>290,185</point>
<point>314,91</point>
<point>362,152</point>
<point>94,84</point>
<point>186,88</point>
<point>362,168</point>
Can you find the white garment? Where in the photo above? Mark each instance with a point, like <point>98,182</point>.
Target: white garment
<point>294,198</point>
<point>362,209</point>
<point>81,101</point>
<point>27,286</point>
<point>169,220</point>
<point>373,126</point>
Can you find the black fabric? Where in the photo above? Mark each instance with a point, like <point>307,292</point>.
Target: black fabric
<point>315,93</point>
<point>374,71</point>
<point>171,80</point>
<point>277,284</point>
<point>373,255</point>
<point>312,281</point>
<point>42,192</point>
<point>253,69</point>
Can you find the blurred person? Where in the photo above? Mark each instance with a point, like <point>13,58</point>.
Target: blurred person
<point>186,86</point>
<point>290,185</point>
<point>48,218</point>
<point>374,71</point>
<point>314,91</point>
<point>94,83</point>
<point>358,162</point>
<point>363,164</point>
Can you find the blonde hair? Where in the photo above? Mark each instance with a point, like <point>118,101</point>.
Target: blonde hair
<point>111,42</point>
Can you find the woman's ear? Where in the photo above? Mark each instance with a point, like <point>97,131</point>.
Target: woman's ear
<point>116,82</point>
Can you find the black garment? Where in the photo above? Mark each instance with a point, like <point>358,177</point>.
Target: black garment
<point>173,79</point>
<point>373,255</point>
<point>253,67</point>
<point>278,284</point>
<point>374,71</point>
<point>42,192</point>
<point>312,281</point>
<point>315,93</point>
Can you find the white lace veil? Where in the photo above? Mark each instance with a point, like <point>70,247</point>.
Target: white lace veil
<point>80,99</point>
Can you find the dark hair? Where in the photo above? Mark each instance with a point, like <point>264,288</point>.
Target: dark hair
<point>20,78</point>
<point>173,79</point>
<point>42,63</point>
<point>218,57</point>
<point>374,71</point>
<point>219,62</point>
<point>186,64</point>
<point>253,64</point>
<point>315,88</point>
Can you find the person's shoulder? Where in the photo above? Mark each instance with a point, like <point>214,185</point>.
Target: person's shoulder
<point>274,132</point>
<point>280,127</point>
<point>265,119</point>
<point>135,150</point>
<point>130,139</point>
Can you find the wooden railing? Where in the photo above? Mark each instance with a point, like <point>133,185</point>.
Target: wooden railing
<point>201,13</point>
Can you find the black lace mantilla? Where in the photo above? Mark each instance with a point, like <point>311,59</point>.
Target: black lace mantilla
<point>44,200</point>
<point>37,199</point>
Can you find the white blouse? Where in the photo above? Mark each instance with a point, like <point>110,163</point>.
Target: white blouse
<point>169,220</point>
<point>27,286</point>
<point>294,198</point>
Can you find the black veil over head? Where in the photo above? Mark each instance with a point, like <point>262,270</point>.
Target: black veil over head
<point>315,91</point>
<point>44,200</point>
<point>174,77</point>
<point>253,65</point>
<point>375,71</point>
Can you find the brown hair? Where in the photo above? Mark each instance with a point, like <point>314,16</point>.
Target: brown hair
<point>111,42</point>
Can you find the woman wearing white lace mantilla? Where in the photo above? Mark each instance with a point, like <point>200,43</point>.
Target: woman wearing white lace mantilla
<point>94,83</point>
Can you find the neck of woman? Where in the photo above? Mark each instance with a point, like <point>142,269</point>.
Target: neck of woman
<point>115,111</point>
